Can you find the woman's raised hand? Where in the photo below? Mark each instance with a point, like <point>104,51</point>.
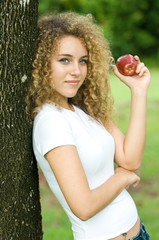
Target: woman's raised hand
<point>139,81</point>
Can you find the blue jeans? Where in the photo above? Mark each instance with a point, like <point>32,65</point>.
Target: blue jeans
<point>142,234</point>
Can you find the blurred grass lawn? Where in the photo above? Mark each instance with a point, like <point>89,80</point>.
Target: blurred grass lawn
<point>56,225</point>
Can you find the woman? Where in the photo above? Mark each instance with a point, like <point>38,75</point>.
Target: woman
<point>74,138</point>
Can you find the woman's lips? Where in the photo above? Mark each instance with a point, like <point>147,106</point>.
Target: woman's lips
<point>73,83</point>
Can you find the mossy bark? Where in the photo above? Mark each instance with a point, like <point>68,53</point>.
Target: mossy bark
<point>20,212</point>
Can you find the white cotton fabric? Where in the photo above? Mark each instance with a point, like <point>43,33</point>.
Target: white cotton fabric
<point>52,128</point>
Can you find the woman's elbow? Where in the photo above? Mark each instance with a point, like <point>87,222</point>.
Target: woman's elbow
<point>136,167</point>
<point>84,213</point>
<point>132,166</point>
<point>83,217</point>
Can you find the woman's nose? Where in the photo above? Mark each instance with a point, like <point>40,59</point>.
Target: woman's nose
<point>75,70</point>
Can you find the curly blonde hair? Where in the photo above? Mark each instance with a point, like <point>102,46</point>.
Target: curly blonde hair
<point>94,95</point>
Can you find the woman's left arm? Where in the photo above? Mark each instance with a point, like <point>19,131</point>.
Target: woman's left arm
<point>130,148</point>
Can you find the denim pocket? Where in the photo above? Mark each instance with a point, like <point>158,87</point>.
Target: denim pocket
<point>142,234</point>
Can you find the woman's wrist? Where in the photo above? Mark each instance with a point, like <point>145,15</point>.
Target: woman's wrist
<point>122,178</point>
<point>138,92</point>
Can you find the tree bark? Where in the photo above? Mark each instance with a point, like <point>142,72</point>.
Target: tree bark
<point>20,217</point>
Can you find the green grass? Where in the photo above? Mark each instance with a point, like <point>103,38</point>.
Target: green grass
<point>56,225</point>
<point>55,222</point>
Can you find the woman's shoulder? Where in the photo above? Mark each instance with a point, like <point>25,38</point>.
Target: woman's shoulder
<point>48,111</point>
<point>49,108</point>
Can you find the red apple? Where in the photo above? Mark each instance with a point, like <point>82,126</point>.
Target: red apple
<point>126,64</point>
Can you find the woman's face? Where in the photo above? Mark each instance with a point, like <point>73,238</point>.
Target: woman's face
<point>69,67</point>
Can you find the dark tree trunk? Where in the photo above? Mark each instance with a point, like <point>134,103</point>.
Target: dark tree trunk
<point>20,217</point>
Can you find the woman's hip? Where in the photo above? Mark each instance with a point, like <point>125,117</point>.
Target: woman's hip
<point>137,232</point>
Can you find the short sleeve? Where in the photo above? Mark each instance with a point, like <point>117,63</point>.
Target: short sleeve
<point>51,131</point>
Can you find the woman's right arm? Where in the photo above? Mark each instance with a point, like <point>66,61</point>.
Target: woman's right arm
<point>70,175</point>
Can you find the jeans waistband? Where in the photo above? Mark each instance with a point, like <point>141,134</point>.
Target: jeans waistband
<point>142,234</point>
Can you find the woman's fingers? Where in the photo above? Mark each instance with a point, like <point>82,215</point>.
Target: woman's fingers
<point>140,69</point>
<point>137,58</point>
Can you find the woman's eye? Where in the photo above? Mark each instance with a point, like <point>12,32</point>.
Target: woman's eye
<point>84,61</point>
<point>64,60</point>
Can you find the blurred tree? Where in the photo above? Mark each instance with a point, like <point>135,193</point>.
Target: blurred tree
<point>134,27</point>
<point>51,6</point>
<point>130,26</point>
<point>20,207</point>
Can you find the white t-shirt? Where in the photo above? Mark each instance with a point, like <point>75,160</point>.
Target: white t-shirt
<point>95,146</point>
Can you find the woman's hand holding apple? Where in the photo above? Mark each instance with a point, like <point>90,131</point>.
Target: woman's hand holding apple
<point>127,64</point>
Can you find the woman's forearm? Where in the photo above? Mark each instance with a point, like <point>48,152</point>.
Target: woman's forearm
<point>134,141</point>
<point>108,191</point>
<point>103,195</point>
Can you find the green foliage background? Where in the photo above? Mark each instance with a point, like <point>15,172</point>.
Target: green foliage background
<point>130,26</point>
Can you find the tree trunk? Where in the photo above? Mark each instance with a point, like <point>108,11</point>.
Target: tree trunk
<point>20,217</point>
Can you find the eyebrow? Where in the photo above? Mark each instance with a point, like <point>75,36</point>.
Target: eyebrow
<point>69,55</point>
